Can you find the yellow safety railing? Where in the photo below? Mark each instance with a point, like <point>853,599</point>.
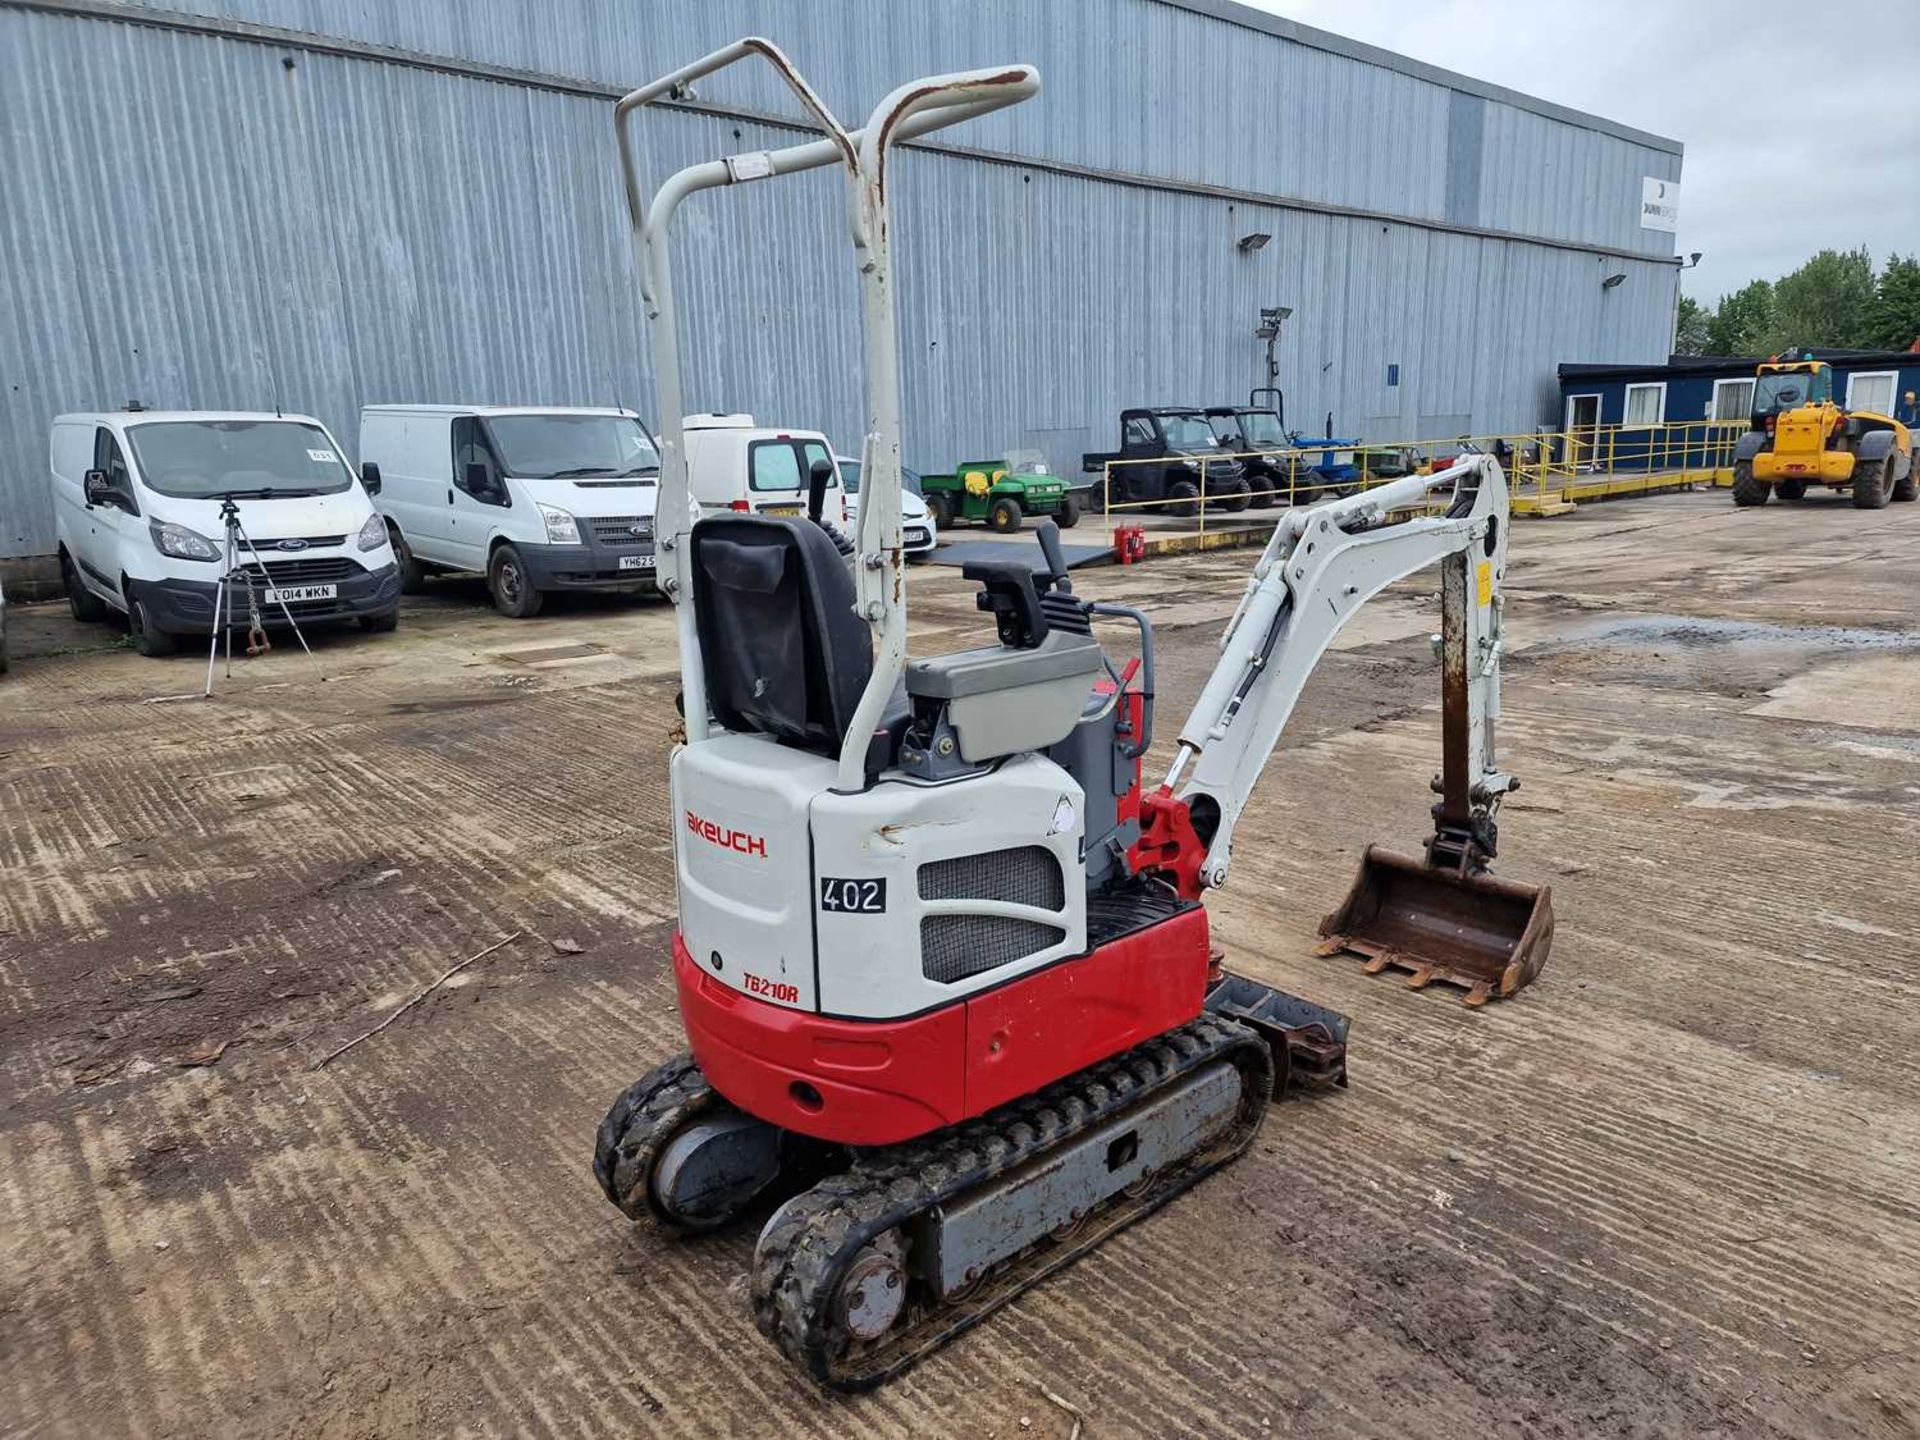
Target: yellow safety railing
<point>1546,470</point>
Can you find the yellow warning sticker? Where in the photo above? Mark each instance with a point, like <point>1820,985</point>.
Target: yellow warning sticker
<point>1485,577</point>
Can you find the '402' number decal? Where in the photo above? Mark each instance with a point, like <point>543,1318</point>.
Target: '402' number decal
<point>853,897</point>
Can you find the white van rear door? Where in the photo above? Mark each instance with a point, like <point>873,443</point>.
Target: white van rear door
<point>778,472</point>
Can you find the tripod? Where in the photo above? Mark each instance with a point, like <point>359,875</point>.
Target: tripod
<point>233,570</point>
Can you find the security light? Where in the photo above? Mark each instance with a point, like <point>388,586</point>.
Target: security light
<point>1256,241</point>
<point>1617,278</point>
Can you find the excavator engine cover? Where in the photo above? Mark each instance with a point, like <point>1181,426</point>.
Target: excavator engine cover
<point>1489,936</point>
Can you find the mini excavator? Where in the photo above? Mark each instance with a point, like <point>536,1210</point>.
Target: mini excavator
<point>941,959</point>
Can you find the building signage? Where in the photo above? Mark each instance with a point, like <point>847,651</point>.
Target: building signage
<point>1659,204</point>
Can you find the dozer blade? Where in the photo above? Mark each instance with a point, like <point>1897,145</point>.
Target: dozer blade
<point>1489,936</point>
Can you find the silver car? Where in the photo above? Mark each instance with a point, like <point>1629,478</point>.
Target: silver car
<point>918,534</point>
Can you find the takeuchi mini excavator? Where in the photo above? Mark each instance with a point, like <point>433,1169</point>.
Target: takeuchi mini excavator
<point>1800,437</point>
<point>941,959</point>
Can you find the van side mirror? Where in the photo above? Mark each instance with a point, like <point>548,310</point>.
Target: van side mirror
<point>481,484</point>
<point>98,491</point>
<point>370,477</point>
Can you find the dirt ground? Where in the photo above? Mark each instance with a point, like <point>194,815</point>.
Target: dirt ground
<point>1673,1189</point>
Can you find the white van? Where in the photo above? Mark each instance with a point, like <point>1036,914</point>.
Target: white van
<point>535,498</point>
<point>137,498</point>
<point>734,464</point>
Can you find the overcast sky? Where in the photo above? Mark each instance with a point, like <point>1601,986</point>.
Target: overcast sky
<point>1801,121</point>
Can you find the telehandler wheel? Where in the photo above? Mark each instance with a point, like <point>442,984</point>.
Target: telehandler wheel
<point>1746,489</point>
<point>1183,499</point>
<point>1870,484</point>
<point>1792,489</point>
<point>1906,487</point>
<point>1003,516</point>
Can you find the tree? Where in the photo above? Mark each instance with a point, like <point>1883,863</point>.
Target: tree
<point>1692,325</point>
<point>1828,301</point>
<point>1896,305</point>
<point>1743,321</point>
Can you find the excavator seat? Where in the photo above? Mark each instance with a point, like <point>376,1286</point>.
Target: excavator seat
<point>783,651</point>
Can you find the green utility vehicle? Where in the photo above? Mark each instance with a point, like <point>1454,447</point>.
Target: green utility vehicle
<point>1002,493</point>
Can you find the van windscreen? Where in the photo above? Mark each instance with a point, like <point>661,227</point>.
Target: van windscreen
<point>198,459</point>
<point>574,447</point>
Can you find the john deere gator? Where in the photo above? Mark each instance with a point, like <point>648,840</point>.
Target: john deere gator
<point>1799,438</point>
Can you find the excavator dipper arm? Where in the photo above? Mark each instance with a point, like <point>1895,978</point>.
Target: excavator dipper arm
<point>1322,564</point>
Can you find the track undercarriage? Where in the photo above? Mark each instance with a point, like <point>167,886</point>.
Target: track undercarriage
<point>885,1254</point>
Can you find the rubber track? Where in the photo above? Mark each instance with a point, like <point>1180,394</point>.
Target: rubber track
<point>808,1244</point>
<point>642,1120</point>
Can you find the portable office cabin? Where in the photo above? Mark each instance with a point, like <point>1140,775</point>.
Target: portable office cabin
<point>1720,387</point>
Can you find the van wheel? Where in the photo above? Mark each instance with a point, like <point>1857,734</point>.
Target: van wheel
<point>149,641</point>
<point>513,593</point>
<point>413,575</point>
<point>86,606</point>
<point>381,621</point>
<point>1003,516</point>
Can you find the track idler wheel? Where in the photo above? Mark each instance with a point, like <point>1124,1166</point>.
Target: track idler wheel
<point>673,1150</point>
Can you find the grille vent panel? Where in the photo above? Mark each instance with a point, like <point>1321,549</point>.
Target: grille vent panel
<point>1024,875</point>
<point>957,947</point>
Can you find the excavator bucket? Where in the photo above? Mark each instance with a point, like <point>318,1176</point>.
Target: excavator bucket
<point>1489,936</point>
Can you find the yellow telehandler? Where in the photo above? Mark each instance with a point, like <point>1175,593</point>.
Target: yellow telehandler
<point>1800,437</point>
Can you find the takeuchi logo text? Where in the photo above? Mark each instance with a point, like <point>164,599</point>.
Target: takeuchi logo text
<point>745,842</point>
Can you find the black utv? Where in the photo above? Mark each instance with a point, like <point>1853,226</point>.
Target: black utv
<point>1249,430</point>
<point>1166,449</point>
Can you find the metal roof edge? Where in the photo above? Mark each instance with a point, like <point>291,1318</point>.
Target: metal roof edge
<point>1246,16</point>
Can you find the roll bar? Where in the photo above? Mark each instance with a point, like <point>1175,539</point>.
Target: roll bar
<point>912,110</point>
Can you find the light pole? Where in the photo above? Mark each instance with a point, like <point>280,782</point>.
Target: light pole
<point>1673,342</point>
<point>1271,318</point>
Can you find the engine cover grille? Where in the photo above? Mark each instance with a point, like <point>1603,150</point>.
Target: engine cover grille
<point>1023,875</point>
<point>954,947</point>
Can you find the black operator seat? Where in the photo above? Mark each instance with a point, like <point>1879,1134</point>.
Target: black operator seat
<point>783,651</point>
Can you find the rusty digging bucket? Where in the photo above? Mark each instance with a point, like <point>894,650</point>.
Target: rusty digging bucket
<point>1489,936</point>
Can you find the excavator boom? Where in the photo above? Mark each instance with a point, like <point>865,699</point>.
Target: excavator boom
<point>1441,917</point>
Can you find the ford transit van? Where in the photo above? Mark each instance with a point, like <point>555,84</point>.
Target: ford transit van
<point>536,499</point>
<point>137,497</point>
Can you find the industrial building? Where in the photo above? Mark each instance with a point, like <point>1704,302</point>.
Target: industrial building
<point>411,203</point>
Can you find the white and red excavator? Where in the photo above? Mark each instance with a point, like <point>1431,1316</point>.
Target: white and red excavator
<point>941,958</point>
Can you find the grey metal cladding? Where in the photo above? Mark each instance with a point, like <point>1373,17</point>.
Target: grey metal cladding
<point>1466,147</point>
<point>214,227</point>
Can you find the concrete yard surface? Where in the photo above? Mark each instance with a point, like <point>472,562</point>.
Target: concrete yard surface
<point>1671,1190</point>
